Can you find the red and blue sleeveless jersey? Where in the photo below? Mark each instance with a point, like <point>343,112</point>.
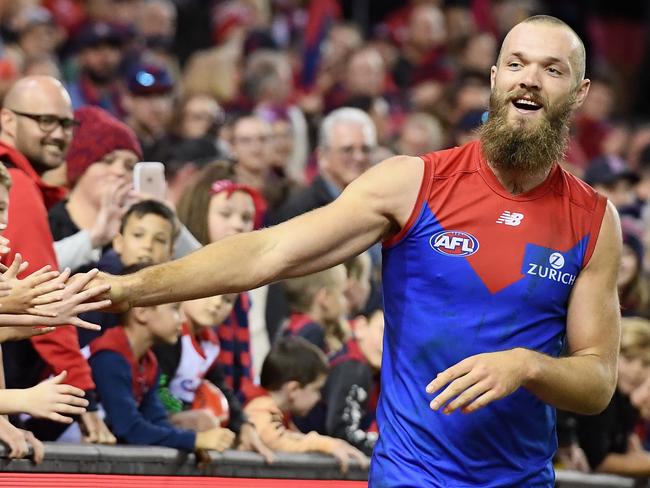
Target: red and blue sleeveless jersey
<point>476,269</point>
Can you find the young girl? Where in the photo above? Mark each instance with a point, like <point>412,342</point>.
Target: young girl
<point>214,208</point>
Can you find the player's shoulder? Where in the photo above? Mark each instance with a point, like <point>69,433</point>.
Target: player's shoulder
<point>392,174</point>
<point>446,162</point>
<point>577,191</point>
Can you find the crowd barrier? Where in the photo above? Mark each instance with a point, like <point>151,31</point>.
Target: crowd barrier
<point>94,466</point>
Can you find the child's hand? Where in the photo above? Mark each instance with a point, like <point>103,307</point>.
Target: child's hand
<point>21,333</point>
<point>218,439</point>
<point>71,301</point>
<point>343,452</point>
<point>18,441</point>
<point>51,398</point>
<point>249,440</point>
<point>4,245</point>
<point>26,294</point>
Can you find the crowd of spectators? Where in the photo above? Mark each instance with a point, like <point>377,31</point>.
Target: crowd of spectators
<point>260,111</point>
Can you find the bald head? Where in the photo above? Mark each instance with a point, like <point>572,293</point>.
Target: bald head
<point>41,94</point>
<point>36,119</point>
<point>577,55</point>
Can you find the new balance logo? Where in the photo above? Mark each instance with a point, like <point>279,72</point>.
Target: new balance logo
<point>510,218</point>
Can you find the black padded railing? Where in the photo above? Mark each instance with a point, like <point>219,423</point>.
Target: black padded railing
<point>161,461</point>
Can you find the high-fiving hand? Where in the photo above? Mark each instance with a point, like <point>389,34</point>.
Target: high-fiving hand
<point>74,300</point>
<point>23,296</point>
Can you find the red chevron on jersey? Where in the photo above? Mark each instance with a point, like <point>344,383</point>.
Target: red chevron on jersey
<point>503,224</point>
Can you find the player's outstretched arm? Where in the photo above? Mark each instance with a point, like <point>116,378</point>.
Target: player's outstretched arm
<point>584,381</point>
<point>372,207</point>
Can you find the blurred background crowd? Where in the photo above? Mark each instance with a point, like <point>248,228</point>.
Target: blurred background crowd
<point>261,110</point>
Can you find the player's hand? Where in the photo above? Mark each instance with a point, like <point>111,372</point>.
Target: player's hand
<point>343,452</point>
<point>478,380</point>
<point>218,439</point>
<point>94,430</point>
<point>119,302</point>
<point>74,300</point>
<point>249,440</point>
<point>51,398</point>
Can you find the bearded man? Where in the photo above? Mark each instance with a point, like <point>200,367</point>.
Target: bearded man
<point>494,257</point>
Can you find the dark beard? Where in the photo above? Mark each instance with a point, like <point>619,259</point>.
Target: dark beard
<point>101,78</point>
<point>528,151</point>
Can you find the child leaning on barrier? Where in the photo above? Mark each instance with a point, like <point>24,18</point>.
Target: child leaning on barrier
<point>609,439</point>
<point>125,371</point>
<point>292,376</point>
<point>192,384</point>
<point>33,306</point>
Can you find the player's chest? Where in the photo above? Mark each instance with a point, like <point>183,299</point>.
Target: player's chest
<point>502,242</point>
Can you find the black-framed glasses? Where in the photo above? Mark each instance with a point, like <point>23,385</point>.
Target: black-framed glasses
<point>49,122</point>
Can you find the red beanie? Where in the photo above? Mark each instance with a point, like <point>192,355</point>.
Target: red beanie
<point>98,134</point>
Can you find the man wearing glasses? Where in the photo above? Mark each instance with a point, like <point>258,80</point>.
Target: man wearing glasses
<point>345,143</point>
<point>37,127</point>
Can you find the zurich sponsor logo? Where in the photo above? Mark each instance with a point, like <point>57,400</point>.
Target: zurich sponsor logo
<point>454,243</point>
<point>554,272</point>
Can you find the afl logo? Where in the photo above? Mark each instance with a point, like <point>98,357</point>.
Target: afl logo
<point>454,243</point>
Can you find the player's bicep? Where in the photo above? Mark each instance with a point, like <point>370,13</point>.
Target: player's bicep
<point>593,323</point>
<point>368,210</point>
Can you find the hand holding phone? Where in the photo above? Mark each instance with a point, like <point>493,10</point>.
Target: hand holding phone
<point>149,178</point>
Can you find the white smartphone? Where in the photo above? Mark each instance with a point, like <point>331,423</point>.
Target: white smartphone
<point>149,178</point>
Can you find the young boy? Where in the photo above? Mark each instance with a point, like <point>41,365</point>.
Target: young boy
<point>318,308</point>
<point>146,236</point>
<point>352,388</point>
<point>189,367</point>
<point>292,376</point>
<point>125,371</point>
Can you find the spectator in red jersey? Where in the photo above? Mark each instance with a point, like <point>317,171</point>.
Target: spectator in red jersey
<point>37,122</point>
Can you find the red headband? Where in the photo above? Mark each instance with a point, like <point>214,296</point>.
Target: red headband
<point>230,187</point>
